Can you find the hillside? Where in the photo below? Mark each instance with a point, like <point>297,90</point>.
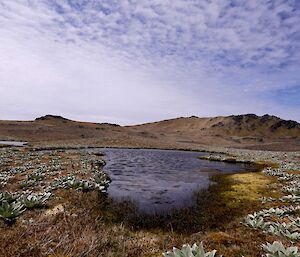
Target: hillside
<point>240,131</point>
<point>238,125</point>
<point>249,131</point>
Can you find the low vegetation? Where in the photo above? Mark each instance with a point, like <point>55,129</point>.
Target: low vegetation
<point>54,203</point>
<point>188,251</point>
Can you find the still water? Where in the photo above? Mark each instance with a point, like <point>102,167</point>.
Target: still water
<point>13,143</point>
<point>161,180</point>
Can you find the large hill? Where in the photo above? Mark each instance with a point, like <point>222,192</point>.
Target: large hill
<point>240,131</point>
<point>247,131</point>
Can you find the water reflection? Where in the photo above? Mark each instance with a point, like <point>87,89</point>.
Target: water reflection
<point>13,143</point>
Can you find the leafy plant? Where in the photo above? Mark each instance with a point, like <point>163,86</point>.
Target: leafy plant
<point>295,222</point>
<point>10,211</point>
<point>256,221</point>
<point>36,176</point>
<point>73,183</point>
<point>188,251</point>
<point>35,200</point>
<point>293,189</point>
<point>277,249</point>
<point>27,183</point>
<point>286,230</point>
<point>17,170</point>
<point>290,198</point>
<point>4,178</point>
<point>8,197</point>
<point>267,199</point>
<point>280,212</point>
<point>61,181</point>
<point>86,185</point>
<point>79,184</point>
<point>102,181</point>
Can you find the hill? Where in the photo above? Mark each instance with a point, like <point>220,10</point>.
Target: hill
<point>249,125</point>
<point>246,131</point>
<point>241,131</point>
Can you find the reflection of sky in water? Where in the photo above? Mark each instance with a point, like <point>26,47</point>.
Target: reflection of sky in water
<point>13,143</point>
<point>159,180</point>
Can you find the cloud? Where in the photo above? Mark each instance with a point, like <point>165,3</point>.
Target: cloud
<point>127,61</point>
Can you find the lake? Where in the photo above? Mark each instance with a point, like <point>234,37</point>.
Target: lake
<point>161,180</point>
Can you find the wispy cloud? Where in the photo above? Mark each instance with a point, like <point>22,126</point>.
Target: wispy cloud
<point>134,61</point>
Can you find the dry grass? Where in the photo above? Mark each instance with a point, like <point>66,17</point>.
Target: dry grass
<point>77,231</point>
<point>247,186</point>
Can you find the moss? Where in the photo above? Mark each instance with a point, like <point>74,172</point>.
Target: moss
<point>247,186</point>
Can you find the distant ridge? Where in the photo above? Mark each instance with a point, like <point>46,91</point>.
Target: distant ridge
<point>249,131</point>
<point>237,118</point>
<point>246,120</point>
<point>242,129</point>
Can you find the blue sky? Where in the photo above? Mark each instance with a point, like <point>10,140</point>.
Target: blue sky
<point>127,62</point>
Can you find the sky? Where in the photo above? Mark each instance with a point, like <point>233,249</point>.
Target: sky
<point>135,61</point>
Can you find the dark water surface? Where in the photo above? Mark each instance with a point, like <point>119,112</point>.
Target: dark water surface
<point>161,180</point>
